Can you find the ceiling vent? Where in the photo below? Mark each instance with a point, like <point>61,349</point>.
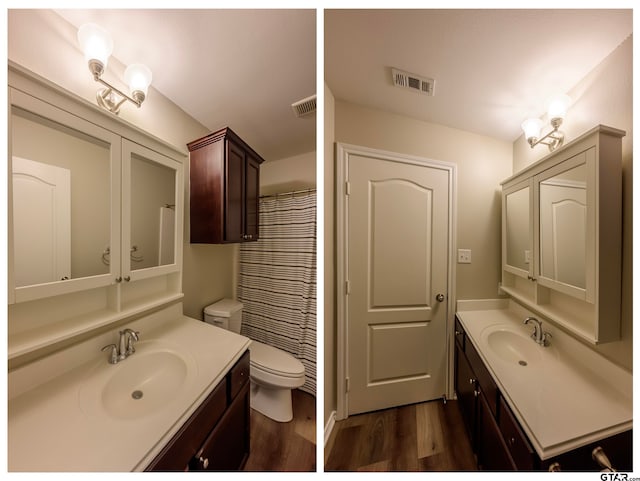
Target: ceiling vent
<point>406,80</point>
<point>305,106</point>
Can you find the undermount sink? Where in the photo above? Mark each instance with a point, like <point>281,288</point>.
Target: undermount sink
<point>513,347</point>
<point>145,382</point>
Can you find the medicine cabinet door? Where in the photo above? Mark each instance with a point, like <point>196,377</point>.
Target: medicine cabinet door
<point>517,229</point>
<point>64,202</point>
<point>152,213</point>
<point>565,227</point>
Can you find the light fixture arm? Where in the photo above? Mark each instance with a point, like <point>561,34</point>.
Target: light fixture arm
<point>110,89</point>
<point>553,139</point>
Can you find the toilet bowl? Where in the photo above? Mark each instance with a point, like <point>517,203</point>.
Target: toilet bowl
<point>273,372</point>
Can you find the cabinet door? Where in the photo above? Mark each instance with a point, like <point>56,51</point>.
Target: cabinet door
<point>565,227</point>
<point>517,229</point>
<point>151,213</point>
<point>465,384</point>
<point>64,235</point>
<point>227,448</point>
<point>519,447</point>
<point>493,454</point>
<point>234,195</point>
<point>252,190</point>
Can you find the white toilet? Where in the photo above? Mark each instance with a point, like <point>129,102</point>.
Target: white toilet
<point>273,373</point>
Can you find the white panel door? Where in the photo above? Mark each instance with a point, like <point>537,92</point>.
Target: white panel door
<point>397,251</point>
<point>41,222</point>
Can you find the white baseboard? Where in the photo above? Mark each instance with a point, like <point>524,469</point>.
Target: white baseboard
<point>328,428</point>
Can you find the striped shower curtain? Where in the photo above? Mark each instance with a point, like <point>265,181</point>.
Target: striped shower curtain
<point>277,279</point>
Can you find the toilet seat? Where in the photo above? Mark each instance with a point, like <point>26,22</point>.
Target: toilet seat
<point>270,360</point>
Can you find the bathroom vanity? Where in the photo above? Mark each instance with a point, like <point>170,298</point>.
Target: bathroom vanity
<point>534,405</point>
<point>193,412</point>
<point>529,407</point>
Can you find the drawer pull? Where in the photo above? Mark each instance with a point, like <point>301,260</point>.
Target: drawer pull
<point>458,333</point>
<point>554,467</point>
<point>471,380</point>
<point>204,462</point>
<point>512,440</point>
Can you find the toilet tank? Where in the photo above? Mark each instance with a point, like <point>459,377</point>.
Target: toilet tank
<point>226,313</point>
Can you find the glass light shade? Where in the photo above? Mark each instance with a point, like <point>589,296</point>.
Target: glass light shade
<point>531,128</point>
<point>558,106</point>
<point>138,77</point>
<point>96,43</point>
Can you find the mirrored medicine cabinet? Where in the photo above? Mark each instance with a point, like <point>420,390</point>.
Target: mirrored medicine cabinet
<point>561,235</point>
<point>95,213</point>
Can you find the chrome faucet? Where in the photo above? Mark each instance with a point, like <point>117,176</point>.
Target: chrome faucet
<point>125,347</point>
<point>541,337</point>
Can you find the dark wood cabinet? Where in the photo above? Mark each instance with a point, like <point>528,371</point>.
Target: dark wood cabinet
<point>498,440</point>
<point>227,447</point>
<point>224,188</point>
<point>516,441</point>
<point>216,436</point>
<point>493,454</point>
<point>466,389</point>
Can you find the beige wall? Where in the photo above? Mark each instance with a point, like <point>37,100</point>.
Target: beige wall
<point>330,375</point>
<point>605,96</point>
<point>289,174</point>
<point>46,44</point>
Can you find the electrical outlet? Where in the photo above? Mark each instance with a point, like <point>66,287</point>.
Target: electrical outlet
<point>464,256</point>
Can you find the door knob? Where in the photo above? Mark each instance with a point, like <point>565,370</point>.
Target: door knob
<point>440,297</point>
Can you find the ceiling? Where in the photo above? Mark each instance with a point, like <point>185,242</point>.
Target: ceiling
<point>237,68</point>
<point>492,68</point>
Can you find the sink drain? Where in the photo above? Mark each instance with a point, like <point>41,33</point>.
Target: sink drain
<point>136,394</point>
<point>522,363</point>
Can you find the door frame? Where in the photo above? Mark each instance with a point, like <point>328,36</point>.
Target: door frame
<point>343,152</point>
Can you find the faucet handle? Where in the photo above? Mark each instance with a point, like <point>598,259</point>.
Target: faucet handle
<point>134,334</point>
<point>545,339</point>
<point>113,355</point>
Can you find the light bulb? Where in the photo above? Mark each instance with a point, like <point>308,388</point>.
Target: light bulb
<point>138,77</point>
<point>96,43</point>
<point>557,108</point>
<point>531,129</point>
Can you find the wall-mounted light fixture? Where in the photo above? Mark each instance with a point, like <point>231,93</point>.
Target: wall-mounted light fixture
<point>97,46</point>
<point>556,112</point>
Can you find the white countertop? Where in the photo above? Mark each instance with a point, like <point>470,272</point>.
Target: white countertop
<point>571,397</point>
<point>49,431</point>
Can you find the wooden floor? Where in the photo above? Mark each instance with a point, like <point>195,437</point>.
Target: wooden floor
<point>419,437</point>
<point>285,446</point>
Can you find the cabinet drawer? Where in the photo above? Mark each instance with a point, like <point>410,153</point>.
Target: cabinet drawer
<point>180,450</point>
<point>485,380</point>
<point>516,441</point>
<point>239,375</point>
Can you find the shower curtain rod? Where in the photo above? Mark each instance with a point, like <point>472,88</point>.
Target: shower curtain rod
<point>292,193</point>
